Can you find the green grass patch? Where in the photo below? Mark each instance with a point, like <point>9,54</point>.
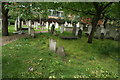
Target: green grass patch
<point>83,60</point>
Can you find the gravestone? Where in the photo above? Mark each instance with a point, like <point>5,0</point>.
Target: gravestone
<point>97,33</point>
<point>22,23</point>
<point>80,33</point>
<point>51,25</point>
<point>102,32</point>
<point>89,29</point>
<point>29,28</point>
<point>16,25</point>
<point>60,51</point>
<point>66,24</point>
<point>62,28</point>
<point>68,29</point>
<point>69,25</point>
<point>78,24</point>
<point>74,29</point>
<point>102,36</point>
<point>36,25</point>
<point>18,22</point>
<point>85,27</point>
<point>107,36</point>
<point>117,35</point>
<point>52,45</point>
<point>47,24</point>
<point>53,29</point>
<point>56,25</point>
<point>77,28</point>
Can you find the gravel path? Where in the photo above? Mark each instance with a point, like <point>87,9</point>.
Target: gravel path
<point>8,39</point>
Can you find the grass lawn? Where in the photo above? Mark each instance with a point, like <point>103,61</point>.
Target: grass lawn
<point>83,60</point>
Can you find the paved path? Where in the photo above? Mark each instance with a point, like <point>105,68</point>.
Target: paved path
<point>8,39</point>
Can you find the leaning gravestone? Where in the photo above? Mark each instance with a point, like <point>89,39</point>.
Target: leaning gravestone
<point>52,45</point>
<point>61,51</point>
<point>80,33</point>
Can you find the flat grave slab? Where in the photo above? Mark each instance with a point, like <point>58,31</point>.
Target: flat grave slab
<point>68,37</point>
<point>24,29</point>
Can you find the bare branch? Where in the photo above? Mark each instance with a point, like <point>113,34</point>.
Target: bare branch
<point>107,5</point>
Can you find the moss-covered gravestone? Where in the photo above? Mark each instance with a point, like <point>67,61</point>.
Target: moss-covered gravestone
<point>60,51</point>
<point>52,45</point>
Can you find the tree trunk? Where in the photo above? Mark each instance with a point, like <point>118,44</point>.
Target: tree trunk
<point>4,21</point>
<point>94,24</point>
<point>20,24</point>
<point>105,23</point>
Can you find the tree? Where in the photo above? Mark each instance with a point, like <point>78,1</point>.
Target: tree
<point>95,9</point>
<point>99,9</point>
<point>22,10</point>
<point>5,20</point>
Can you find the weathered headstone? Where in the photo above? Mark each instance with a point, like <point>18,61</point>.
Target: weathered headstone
<point>78,24</point>
<point>29,28</point>
<point>97,33</point>
<point>81,27</point>
<point>16,25</point>
<point>22,23</point>
<point>62,28</point>
<point>107,36</point>
<point>102,36</point>
<point>34,24</point>
<point>51,25</point>
<point>60,51</point>
<point>47,24</point>
<point>85,27</point>
<point>53,29</point>
<point>80,33</point>
<point>52,45</point>
<point>69,25</point>
<point>89,29</point>
<point>117,35</point>
<point>56,25</point>
<point>66,24</point>
<point>74,29</point>
<point>77,28</point>
<point>102,32</point>
<point>19,22</point>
